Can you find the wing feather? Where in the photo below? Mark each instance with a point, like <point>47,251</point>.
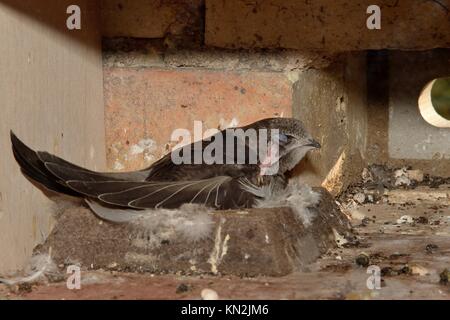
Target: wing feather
<point>161,185</point>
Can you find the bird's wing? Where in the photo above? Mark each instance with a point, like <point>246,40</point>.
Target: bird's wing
<point>130,189</point>
<point>114,214</point>
<point>227,163</point>
<point>220,192</point>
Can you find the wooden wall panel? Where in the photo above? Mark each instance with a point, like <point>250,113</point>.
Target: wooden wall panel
<point>51,95</point>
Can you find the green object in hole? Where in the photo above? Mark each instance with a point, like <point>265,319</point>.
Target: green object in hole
<point>440,97</point>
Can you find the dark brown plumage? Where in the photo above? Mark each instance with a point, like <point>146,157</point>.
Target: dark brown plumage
<point>169,185</point>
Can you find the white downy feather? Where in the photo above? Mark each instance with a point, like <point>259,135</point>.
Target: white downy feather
<point>191,221</point>
<point>39,266</point>
<point>298,196</point>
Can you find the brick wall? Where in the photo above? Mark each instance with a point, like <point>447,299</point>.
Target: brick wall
<point>169,63</point>
<point>151,90</point>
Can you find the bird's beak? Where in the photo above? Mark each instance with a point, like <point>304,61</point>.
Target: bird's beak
<point>313,143</point>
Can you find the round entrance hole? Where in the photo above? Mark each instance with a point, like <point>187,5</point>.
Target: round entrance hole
<point>434,102</point>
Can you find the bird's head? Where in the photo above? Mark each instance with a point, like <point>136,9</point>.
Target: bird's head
<point>292,139</point>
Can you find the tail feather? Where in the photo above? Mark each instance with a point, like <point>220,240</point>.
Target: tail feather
<point>68,173</point>
<point>32,167</point>
<point>59,166</point>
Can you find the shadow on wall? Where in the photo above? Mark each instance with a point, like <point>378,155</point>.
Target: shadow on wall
<point>55,16</point>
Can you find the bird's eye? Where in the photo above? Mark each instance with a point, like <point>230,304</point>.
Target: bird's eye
<point>282,138</point>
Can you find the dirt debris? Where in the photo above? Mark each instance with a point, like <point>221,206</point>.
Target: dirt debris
<point>444,276</point>
<point>363,260</point>
<point>431,248</point>
<point>182,288</point>
<point>377,179</point>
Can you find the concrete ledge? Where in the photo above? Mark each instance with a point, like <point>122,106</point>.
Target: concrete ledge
<point>253,242</point>
<point>326,25</point>
<point>150,19</point>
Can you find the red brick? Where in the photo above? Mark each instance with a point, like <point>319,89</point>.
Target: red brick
<point>144,103</point>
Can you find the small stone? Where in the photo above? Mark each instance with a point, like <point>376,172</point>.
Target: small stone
<point>209,294</point>
<point>419,270</point>
<point>405,219</point>
<point>357,215</point>
<point>401,178</point>
<point>339,239</point>
<point>402,181</point>
<point>359,197</point>
<point>362,259</point>
<point>405,177</point>
<point>416,175</point>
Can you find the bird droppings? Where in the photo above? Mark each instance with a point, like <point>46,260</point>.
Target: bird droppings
<point>225,124</point>
<point>118,166</point>
<point>220,248</point>
<point>339,239</point>
<point>405,219</point>
<point>146,148</point>
<point>144,145</point>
